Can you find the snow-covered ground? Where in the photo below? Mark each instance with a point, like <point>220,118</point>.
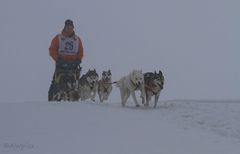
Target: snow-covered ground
<point>174,127</point>
<point>194,43</point>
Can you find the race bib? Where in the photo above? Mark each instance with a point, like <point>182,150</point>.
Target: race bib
<point>68,46</point>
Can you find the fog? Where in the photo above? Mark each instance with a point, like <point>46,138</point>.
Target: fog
<point>195,44</point>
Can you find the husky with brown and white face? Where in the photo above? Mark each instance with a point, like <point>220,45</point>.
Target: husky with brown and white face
<point>88,85</point>
<point>105,85</point>
<point>153,86</point>
<point>129,84</point>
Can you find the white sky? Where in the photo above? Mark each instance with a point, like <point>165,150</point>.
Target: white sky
<point>194,42</point>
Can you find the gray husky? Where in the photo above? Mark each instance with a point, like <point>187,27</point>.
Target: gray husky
<point>88,84</point>
<point>105,85</point>
<point>153,85</point>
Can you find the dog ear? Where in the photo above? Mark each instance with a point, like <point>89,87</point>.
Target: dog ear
<point>133,72</point>
<point>160,72</point>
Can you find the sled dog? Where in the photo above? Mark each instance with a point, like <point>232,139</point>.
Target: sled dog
<point>105,85</point>
<point>153,85</point>
<point>88,84</point>
<point>129,84</point>
<point>66,84</point>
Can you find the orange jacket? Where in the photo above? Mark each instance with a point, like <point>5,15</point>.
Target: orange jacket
<point>53,50</point>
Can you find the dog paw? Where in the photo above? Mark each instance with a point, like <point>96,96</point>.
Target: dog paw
<point>146,104</point>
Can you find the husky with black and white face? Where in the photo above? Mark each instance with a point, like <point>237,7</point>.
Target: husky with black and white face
<point>105,85</point>
<point>153,86</point>
<point>88,85</point>
<point>129,84</point>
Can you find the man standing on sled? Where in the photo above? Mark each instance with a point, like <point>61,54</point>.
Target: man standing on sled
<point>66,48</point>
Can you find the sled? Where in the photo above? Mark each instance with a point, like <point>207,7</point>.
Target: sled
<point>66,79</point>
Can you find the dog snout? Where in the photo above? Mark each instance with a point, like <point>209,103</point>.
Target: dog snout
<point>138,84</point>
<point>160,85</point>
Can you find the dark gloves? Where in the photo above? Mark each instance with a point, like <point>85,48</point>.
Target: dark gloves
<point>60,62</point>
<point>77,62</point>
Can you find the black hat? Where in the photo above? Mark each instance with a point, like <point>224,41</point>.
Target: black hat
<point>69,22</point>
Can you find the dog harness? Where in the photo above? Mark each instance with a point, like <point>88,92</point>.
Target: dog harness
<point>105,84</point>
<point>151,88</point>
